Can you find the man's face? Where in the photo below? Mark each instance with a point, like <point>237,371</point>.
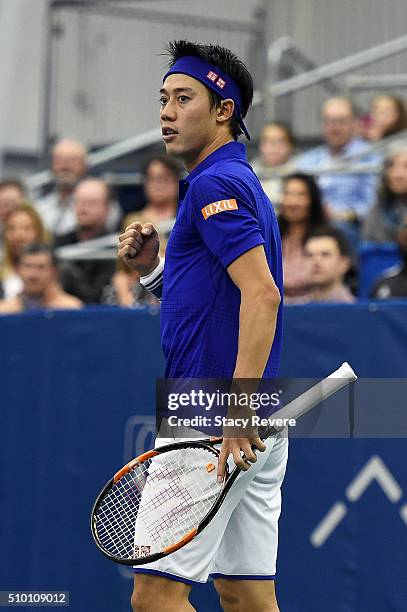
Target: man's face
<point>396,173</point>
<point>187,121</point>
<point>37,272</point>
<point>91,204</point>
<point>338,123</point>
<point>10,198</point>
<point>326,265</point>
<point>68,164</point>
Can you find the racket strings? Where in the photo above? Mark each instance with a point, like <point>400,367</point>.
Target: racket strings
<point>166,497</point>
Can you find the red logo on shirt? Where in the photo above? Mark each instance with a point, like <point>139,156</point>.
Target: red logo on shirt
<point>218,207</point>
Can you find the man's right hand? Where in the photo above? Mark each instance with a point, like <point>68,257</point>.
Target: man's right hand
<point>139,246</point>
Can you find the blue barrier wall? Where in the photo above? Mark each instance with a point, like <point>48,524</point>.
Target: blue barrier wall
<point>77,401</point>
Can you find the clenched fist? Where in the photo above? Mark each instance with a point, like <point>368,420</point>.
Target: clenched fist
<point>139,246</point>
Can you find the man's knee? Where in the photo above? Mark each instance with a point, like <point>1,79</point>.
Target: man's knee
<point>238,595</point>
<point>228,598</point>
<point>151,593</point>
<point>142,594</point>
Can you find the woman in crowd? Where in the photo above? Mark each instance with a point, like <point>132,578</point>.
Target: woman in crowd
<point>390,211</point>
<point>276,148</point>
<point>162,174</point>
<point>387,116</point>
<point>22,226</point>
<point>301,212</point>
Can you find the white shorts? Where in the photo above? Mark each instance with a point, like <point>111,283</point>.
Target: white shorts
<point>241,540</point>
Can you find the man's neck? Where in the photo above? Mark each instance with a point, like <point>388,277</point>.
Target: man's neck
<point>338,151</point>
<point>64,195</point>
<point>46,297</point>
<point>88,233</point>
<point>321,292</point>
<point>219,141</point>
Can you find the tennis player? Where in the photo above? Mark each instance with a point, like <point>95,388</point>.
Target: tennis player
<point>221,290</point>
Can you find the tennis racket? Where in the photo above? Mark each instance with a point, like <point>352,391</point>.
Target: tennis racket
<point>163,498</point>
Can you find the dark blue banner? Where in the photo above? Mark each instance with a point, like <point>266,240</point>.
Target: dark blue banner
<point>78,400</point>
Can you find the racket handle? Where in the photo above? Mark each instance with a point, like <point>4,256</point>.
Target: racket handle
<point>314,396</point>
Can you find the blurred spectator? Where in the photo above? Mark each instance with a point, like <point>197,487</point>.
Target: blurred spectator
<point>125,290</point>
<point>86,278</point>
<point>12,194</point>
<point>22,226</point>
<point>390,210</point>
<point>328,261</point>
<point>68,166</point>
<point>301,212</point>
<point>276,150</point>
<point>393,283</point>
<point>162,174</point>
<point>388,116</point>
<point>41,289</point>
<point>347,196</point>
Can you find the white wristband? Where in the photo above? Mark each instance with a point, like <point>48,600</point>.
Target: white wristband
<point>154,275</point>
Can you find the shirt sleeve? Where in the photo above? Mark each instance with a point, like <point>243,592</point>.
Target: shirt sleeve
<point>224,217</point>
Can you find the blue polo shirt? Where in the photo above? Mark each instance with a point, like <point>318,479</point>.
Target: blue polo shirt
<point>223,212</point>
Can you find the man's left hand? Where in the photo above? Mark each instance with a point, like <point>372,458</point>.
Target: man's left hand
<point>235,447</point>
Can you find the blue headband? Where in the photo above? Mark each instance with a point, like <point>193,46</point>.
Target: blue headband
<point>214,78</point>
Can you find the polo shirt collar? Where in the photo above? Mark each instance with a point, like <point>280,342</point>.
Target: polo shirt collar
<point>230,150</point>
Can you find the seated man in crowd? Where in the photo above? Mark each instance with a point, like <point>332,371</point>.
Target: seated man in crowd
<point>69,166</point>
<point>12,195</point>
<point>328,261</point>
<point>347,196</point>
<point>393,283</point>
<point>86,278</point>
<point>41,287</point>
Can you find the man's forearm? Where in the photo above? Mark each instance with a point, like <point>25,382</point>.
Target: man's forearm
<point>257,326</point>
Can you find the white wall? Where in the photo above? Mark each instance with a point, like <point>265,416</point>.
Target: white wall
<point>107,70</point>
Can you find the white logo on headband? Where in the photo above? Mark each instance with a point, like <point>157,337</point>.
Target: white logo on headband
<point>212,76</point>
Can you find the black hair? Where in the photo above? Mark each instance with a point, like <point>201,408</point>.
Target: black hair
<point>228,62</point>
<point>317,214</point>
<point>37,248</point>
<point>335,234</point>
<point>386,197</point>
<point>170,163</point>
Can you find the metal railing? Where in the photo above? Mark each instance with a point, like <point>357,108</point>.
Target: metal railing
<point>338,67</point>
<point>313,75</point>
<point>104,247</point>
